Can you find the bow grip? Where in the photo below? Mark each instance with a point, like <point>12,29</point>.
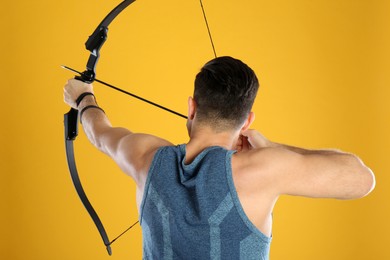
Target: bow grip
<point>71,119</point>
<point>70,122</point>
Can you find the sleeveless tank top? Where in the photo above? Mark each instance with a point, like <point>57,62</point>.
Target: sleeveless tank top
<point>192,211</point>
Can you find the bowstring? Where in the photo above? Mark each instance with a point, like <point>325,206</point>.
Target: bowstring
<point>208,28</point>
<point>112,241</point>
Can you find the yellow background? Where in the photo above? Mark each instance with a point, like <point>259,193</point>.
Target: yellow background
<point>324,73</point>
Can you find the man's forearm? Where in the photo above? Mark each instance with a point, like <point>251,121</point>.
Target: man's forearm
<point>98,128</point>
<point>93,120</point>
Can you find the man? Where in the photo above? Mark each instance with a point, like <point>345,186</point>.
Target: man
<point>213,197</point>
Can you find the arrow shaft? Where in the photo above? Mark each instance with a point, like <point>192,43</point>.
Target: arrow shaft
<point>131,94</point>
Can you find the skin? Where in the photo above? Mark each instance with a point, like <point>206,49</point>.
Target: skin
<point>262,170</point>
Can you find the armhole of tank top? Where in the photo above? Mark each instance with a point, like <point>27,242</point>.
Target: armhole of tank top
<point>237,202</point>
<point>148,180</point>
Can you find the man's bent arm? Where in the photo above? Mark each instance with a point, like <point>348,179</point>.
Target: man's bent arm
<point>323,173</point>
<point>312,173</point>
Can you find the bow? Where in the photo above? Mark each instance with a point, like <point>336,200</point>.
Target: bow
<point>94,44</point>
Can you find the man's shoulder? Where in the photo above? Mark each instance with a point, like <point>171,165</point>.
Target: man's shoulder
<point>258,157</point>
<point>137,153</point>
<point>258,165</point>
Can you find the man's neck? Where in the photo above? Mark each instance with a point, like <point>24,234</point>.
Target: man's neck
<point>203,137</point>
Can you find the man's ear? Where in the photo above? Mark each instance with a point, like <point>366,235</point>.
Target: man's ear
<point>191,108</point>
<point>251,117</point>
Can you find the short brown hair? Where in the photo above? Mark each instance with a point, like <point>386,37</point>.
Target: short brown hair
<point>225,90</point>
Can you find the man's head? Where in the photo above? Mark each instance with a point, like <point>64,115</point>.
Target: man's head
<point>225,90</point>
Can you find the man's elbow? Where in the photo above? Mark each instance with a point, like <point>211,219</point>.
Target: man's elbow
<point>365,180</point>
<point>368,181</point>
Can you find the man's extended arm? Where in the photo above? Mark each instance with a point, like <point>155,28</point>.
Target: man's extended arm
<point>132,152</point>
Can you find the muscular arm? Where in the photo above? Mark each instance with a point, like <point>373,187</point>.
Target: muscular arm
<point>311,173</point>
<point>131,151</point>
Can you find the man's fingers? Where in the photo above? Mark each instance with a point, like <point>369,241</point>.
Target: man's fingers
<point>243,144</point>
<point>246,144</point>
<point>73,89</point>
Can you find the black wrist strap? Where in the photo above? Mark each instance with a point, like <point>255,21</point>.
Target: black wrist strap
<point>86,108</point>
<point>82,96</point>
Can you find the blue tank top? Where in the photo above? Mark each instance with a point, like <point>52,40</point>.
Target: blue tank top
<point>192,211</point>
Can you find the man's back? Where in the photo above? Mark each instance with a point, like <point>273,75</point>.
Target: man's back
<point>193,207</point>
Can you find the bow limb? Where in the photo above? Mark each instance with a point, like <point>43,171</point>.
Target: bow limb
<point>83,197</point>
